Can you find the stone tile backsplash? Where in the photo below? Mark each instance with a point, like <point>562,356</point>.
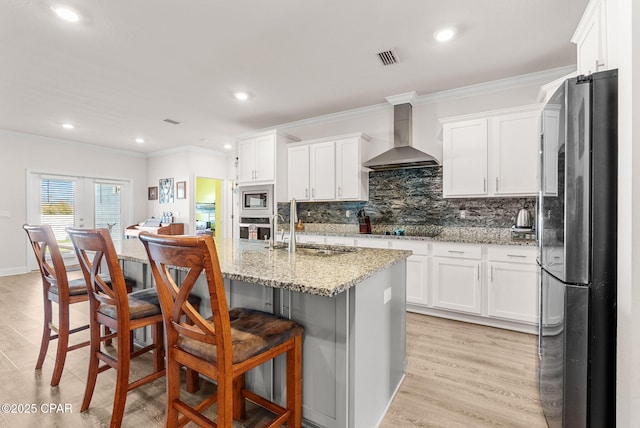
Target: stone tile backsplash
<point>413,197</point>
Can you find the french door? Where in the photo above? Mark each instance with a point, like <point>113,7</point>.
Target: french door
<point>70,201</point>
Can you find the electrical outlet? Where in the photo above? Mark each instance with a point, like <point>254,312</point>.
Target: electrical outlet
<point>387,295</point>
<point>463,213</point>
<point>308,213</point>
<point>348,213</point>
<point>5,214</point>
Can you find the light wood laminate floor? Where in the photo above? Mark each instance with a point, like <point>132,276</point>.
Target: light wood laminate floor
<point>458,375</point>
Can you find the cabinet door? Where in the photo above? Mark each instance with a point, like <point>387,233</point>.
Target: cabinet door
<point>322,171</point>
<point>418,280</point>
<point>514,154</point>
<point>298,171</point>
<point>265,158</point>
<point>551,124</point>
<point>246,160</point>
<point>348,180</point>
<point>590,40</point>
<point>456,285</point>
<point>513,292</point>
<point>465,158</point>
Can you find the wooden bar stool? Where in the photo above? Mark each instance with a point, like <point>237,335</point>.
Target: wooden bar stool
<point>56,287</point>
<point>223,347</point>
<point>112,307</point>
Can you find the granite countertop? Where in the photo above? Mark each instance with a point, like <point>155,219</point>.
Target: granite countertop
<point>464,235</point>
<point>254,262</point>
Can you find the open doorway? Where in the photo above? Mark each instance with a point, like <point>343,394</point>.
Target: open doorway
<point>208,207</point>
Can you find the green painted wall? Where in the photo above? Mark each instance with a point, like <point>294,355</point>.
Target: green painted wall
<point>207,190</point>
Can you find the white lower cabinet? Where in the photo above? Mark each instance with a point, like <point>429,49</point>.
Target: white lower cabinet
<point>418,267</point>
<point>512,292</point>
<point>512,286</point>
<point>456,280</point>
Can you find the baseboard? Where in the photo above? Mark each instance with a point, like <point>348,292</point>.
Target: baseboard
<point>489,322</point>
<point>14,271</point>
<point>386,409</point>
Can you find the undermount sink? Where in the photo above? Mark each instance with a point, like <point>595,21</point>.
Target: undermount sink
<point>317,250</point>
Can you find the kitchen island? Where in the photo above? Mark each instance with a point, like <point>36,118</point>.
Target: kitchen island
<point>351,302</point>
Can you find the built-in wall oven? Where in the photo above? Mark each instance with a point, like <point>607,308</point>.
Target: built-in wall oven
<point>256,201</point>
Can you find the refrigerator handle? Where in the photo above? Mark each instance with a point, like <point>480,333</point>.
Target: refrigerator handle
<point>540,319</point>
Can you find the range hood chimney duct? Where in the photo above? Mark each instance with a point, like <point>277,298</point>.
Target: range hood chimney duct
<point>403,154</point>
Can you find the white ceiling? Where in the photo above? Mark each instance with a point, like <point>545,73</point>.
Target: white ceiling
<point>127,65</point>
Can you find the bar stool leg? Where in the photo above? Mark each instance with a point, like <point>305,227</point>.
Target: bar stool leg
<point>193,377</point>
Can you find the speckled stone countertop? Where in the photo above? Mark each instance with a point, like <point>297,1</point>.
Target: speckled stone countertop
<point>254,262</point>
<point>464,235</point>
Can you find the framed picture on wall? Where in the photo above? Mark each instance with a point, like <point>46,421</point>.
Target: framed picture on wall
<point>153,193</point>
<point>166,191</point>
<point>181,190</point>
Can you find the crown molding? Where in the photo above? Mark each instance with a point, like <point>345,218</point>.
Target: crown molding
<point>73,143</point>
<point>187,149</point>
<point>540,77</point>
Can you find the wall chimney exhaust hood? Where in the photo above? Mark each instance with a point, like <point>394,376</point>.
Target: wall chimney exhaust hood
<point>402,155</point>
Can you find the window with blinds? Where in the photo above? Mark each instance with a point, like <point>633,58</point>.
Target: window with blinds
<point>57,206</point>
<point>108,212</point>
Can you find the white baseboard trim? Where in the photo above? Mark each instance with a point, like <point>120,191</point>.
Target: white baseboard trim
<point>490,322</point>
<point>14,271</point>
<point>386,409</point>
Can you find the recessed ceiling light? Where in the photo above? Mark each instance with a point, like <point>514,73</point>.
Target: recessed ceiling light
<point>139,140</point>
<point>445,34</point>
<point>242,96</point>
<point>68,126</point>
<point>227,146</point>
<point>66,14</point>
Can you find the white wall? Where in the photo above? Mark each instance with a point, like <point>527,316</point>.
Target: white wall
<point>184,164</point>
<point>22,152</point>
<point>627,25</point>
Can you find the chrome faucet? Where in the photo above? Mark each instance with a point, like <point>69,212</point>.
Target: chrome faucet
<point>274,219</point>
<point>292,226</point>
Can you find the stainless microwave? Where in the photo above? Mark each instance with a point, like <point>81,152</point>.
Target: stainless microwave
<point>256,201</point>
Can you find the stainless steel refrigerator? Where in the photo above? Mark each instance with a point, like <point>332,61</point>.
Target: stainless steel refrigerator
<point>576,229</point>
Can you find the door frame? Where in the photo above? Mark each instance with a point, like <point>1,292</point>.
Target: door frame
<point>33,177</point>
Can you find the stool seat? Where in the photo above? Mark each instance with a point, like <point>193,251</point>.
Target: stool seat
<point>142,303</point>
<point>252,332</point>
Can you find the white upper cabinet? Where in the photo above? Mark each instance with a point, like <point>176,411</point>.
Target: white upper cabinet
<point>328,169</point>
<point>590,38</point>
<point>352,181</point>
<point>298,167</point>
<point>491,154</point>
<point>514,154</point>
<point>322,175</point>
<point>259,157</point>
<point>465,158</point>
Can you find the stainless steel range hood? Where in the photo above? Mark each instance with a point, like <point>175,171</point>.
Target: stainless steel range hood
<point>402,155</point>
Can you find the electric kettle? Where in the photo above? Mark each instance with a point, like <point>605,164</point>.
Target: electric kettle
<point>523,219</point>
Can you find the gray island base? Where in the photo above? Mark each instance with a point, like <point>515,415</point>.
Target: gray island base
<point>351,302</point>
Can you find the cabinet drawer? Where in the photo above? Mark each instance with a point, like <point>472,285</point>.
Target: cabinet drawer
<point>310,239</point>
<point>341,240</point>
<point>512,254</point>
<point>418,248</point>
<point>374,243</point>
<point>458,251</point>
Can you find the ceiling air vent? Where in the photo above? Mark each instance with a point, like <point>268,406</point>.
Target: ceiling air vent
<point>171,121</point>
<point>388,57</point>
